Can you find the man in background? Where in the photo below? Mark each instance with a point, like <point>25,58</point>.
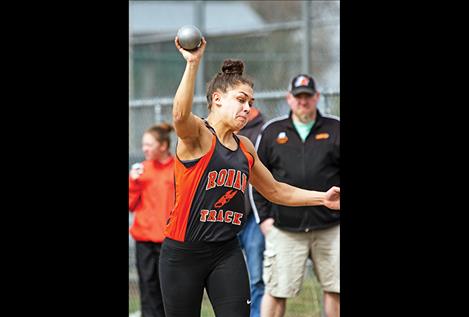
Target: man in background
<point>303,150</point>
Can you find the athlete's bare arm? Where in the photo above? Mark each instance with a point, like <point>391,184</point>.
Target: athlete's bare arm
<point>194,137</point>
<point>284,194</point>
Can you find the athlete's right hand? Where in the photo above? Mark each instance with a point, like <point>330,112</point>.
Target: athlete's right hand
<point>266,225</point>
<point>192,56</point>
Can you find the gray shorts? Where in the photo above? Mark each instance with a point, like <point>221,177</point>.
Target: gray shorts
<point>285,258</point>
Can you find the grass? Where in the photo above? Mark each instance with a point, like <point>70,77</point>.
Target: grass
<point>309,302</point>
<point>134,298</point>
<point>306,304</point>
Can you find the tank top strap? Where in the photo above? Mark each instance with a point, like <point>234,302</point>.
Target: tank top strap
<point>236,138</point>
<point>209,126</point>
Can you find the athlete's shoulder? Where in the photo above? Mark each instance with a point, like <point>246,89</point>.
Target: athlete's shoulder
<point>246,142</point>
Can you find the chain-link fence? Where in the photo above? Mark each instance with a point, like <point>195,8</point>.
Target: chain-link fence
<point>146,112</point>
<point>271,43</point>
<point>276,40</point>
<point>269,36</point>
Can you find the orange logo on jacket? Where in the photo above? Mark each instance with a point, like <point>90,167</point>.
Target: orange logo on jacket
<point>322,136</point>
<point>282,138</point>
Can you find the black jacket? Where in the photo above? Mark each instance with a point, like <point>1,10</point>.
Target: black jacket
<point>251,131</point>
<point>312,165</point>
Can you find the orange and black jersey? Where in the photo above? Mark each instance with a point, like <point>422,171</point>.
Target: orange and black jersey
<point>210,194</point>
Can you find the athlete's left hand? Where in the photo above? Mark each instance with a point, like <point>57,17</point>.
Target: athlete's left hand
<point>332,199</point>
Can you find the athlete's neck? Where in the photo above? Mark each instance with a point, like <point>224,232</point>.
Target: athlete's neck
<point>224,132</point>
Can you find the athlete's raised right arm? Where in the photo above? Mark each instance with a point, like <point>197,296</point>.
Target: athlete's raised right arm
<point>187,126</point>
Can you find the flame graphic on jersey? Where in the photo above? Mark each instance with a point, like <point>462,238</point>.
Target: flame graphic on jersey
<point>225,198</point>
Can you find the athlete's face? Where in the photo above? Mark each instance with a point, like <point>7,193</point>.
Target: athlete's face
<point>152,149</point>
<point>235,105</point>
<point>303,106</point>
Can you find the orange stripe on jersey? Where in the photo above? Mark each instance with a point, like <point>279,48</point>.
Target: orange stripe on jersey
<point>248,155</point>
<point>187,181</point>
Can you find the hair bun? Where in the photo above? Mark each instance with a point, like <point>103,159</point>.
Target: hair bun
<point>232,67</point>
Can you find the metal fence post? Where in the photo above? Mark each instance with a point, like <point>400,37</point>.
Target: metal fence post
<point>199,18</point>
<point>306,28</point>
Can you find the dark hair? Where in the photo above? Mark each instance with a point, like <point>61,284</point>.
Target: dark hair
<point>161,132</point>
<point>231,75</point>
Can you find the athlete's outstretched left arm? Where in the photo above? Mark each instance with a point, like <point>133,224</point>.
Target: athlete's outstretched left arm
<point>284,194</point>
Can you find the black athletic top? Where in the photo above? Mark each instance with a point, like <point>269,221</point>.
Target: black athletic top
<point>210,194</point>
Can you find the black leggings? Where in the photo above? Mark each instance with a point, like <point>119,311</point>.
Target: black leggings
<point>186,268</point>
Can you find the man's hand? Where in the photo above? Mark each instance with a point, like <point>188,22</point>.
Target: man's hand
<point>266,225</point>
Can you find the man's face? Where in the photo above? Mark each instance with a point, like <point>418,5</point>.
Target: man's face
<point>303,106</point>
